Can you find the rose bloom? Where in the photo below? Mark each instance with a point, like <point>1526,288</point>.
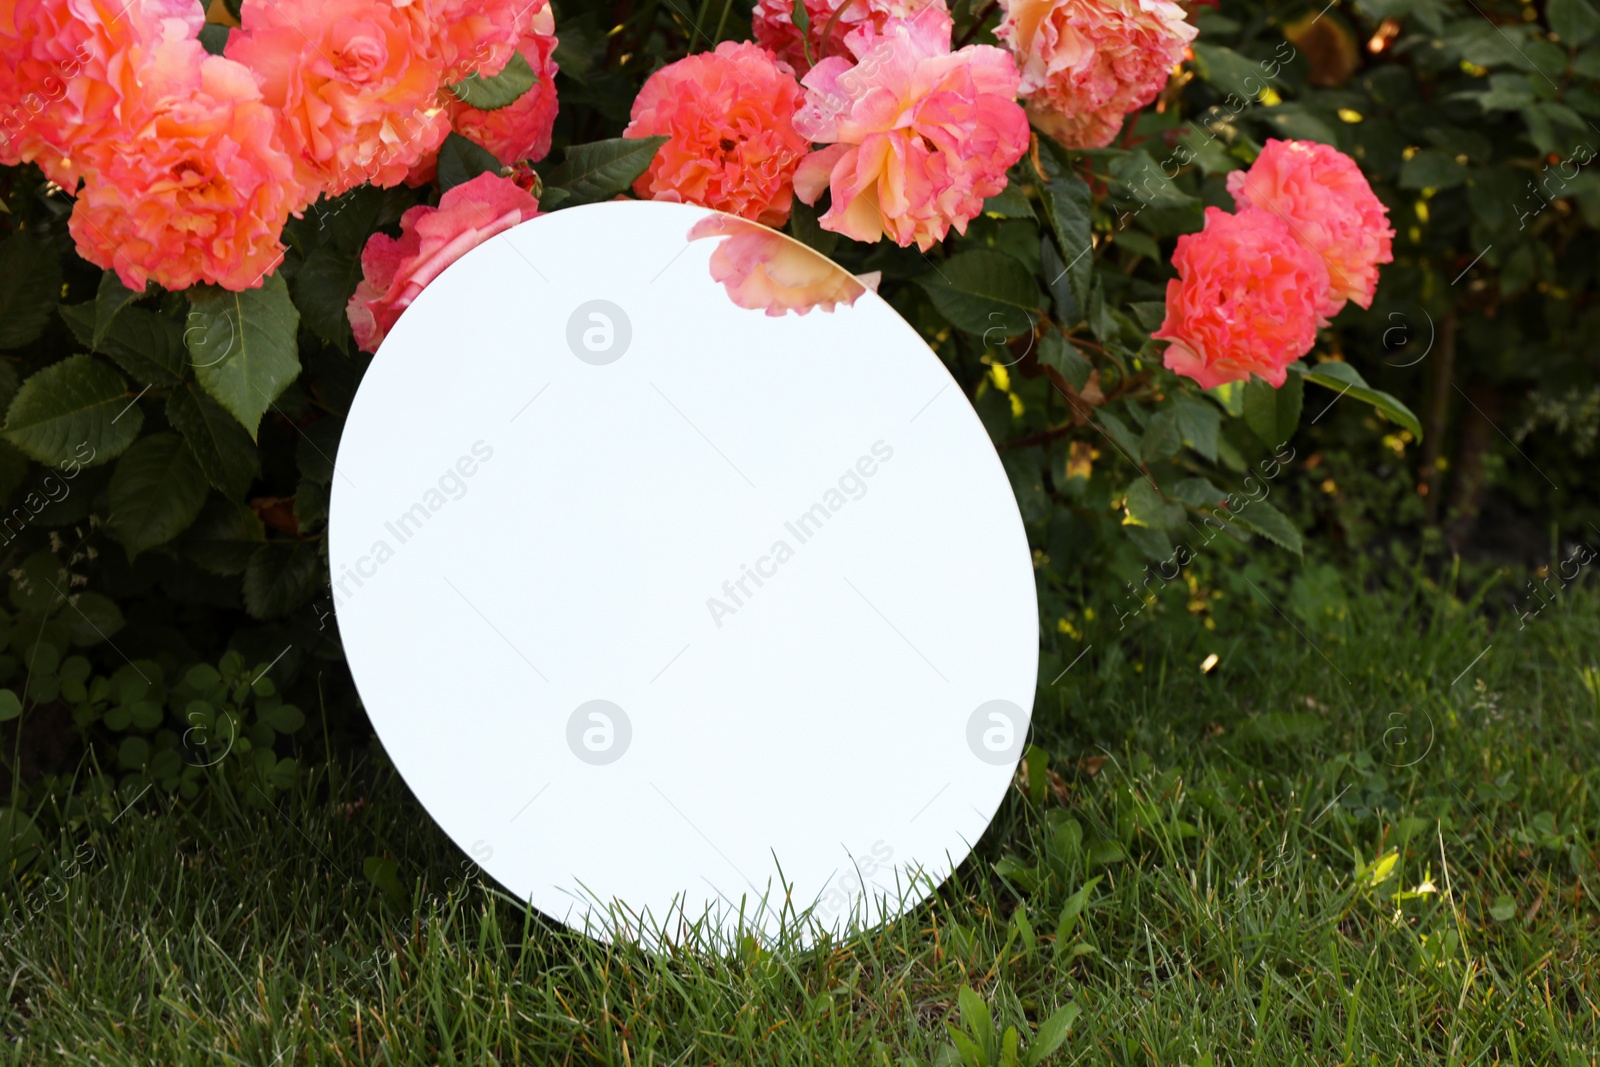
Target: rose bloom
<point>1087,63</point>
<point>1321,193</point>
<point>918,136</point>
<point>68,68</point>
<point>394,270</point>
<point>356,93</point>
<point>466,37</point>
<point>763,270</point>
<point>197,188</point>
<point>521,130</point>
<point>1245,301</point>
<point>773,22</point>
<point>733,145</point>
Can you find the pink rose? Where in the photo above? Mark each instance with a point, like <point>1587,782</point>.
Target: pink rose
<point>763,270</point>
<point>1326,202</point>
<point>1245,301</point>
<point>356,92</point>
<point>395,270</point>
<point>733,145</point>
<point>68,67</point>
<point>918,137</point>
<point>522,129</point>
<point>1087,63</point>
<point>773,22</point>
<point>197,188</point>
<point>466,37</point>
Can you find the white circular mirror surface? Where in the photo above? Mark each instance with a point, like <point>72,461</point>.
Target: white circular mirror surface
<point>675,613</point>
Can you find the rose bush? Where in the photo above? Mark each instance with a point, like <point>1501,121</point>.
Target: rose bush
<point>1134,230</point>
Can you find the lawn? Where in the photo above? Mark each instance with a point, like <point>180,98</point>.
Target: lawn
<point>1372,842</point>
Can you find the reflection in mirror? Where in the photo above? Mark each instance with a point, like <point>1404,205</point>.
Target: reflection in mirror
<point>764,270</point>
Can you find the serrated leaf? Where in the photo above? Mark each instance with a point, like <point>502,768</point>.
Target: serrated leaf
<point>501,90</point>
<point>1124,438</point>
<point>224,537</point>
<point>1346,380</point>
<point>323,287</point>
<point>90,618</point>
<point>1146,507</point>
<point>461,160</point>
<point>602,169</point>
<point>30,288</point>
<point>1197,493</point>
<point>279,578</point>
<point>1230,72</point>
<point>1070,204</point>
<point>243,346</point>
<point>1055,350</point>
<point>1273,414</point>
<point>1258,516</point>
<point>1574,21</point>
<point>157,490</point>
<point>109,300</point>
<point>219,444</point>
<point>984,292</point>
<point>1162,436</point>
<point>1199,424</point>
<point>146,345</point>
<point>68,407</point>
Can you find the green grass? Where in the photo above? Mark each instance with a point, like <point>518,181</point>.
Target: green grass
<point>1249,829</point>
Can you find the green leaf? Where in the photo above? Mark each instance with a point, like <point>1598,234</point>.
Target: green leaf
<point>1071,912</point>
<point>1345,379</point>
<point>1052,1032</point>
<point>1146,507</point>
<point>146,345</point>
<point>224,537</point>
<point>218,443</point>
<point>285,718</point>
<point>1199,423</point>
<point>1162,436</point>
<point>800,17</point>
<point>279,578</point>
<point>984,292</point>
<point>1198,493</point>
<point>602,169</point>
<point>30,288</point>
<point>502,90</point>
<point>214,37</point>
<point>1258,516</point>
<point>1273,413</point>
<point>1229,72</point>
<point>1009,203</point>
<point>77,405</point>
<point>322,290</point>
<point>109,300</point>
<point>243,346</point>
<point>156,492</point>
<point>20,839</point>
<point>1431,169</point>
<point>90,618</point>
<point>461,160</point>
<point>976,1018</point>
<point>1055,350</point>
<point>1140,179</point>
<point>1070,204</point>
<point>1120,435</point>
<point>10,706</point>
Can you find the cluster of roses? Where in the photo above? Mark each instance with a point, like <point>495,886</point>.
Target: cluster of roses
<point>192,163</point>
<point>1254,286</point>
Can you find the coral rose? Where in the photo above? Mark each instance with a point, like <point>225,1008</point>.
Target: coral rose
<point>1326,201</point>
<point>1087,63</point>
<point>773,22</point>
<point>765,271</point>
<point>732,143</point>
<point>520,130</point>
<point>1245,301</point>
<point>68,68</point>
<point>356,92</point>
<point>917,136</point>
<point>466,37</point>
<point>395,270</point>
<point>198,187</point>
